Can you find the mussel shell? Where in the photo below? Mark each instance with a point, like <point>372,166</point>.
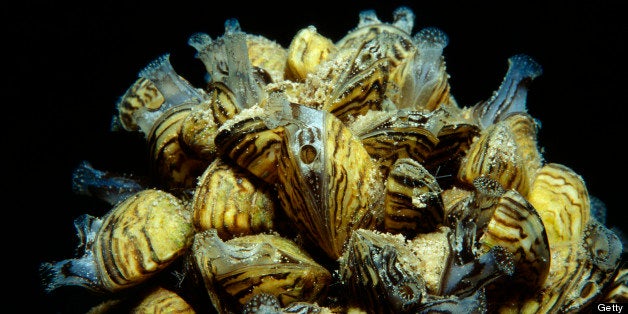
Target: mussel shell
<point>222,102</point>
<point>199,127</point>
<point>413,202</point>
<point>236,270</point>
<point>370,27</point>
<point>358,90</point>
<point>516,226</point>
<point>455,201</point>
<point>384,274</point>
<point>162,300</point>
<point>228,201</point>
<point>142,95</point>
<point>308,49</point>
<point>139,237</point>
<point>197,132</point>
<point>171,165</point>
<point>561,198</point>
<point>251,144</point>
<point>389,136</point>
<point>496,155</point>
<point>328,184</point>
<point>454,140</point>
<point>525,129</point>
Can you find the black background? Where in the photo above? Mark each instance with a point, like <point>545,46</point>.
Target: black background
<point>69,64</point>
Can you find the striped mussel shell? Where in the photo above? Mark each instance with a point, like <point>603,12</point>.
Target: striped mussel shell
<point>496,154</point>
<point>171,165</point>
<point>453,200</point>
<point>525,129</point>
<point>199,127</point>
<point>562,200</point>
<point>155,299</point>
<point>142,96</point>
<point>308,49</point>
<point>360,87</point>
<point>162,300</point>
<point>162,89</point>
<point>229,201</point>
<point>155,105</point>
<point>237,270</point>
<point>251,144</point>
<point>413,202</point>
<point>474,264</point>
<point>585,254</point>
<point>516,225</point>
<point>134,241</point>
<point>389,72</point>
<point>391,135</point>
<point>362,68</point>
<point>351,77</point>
<point>328,183</point>
<point>593,275</point>
<point>369,27</point>
<point>388,51</point>
<point>436,139</point>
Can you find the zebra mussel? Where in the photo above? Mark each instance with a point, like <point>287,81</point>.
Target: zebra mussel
<point>338,177</point>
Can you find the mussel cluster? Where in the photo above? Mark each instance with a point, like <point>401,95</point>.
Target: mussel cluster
<point>338,177</point>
